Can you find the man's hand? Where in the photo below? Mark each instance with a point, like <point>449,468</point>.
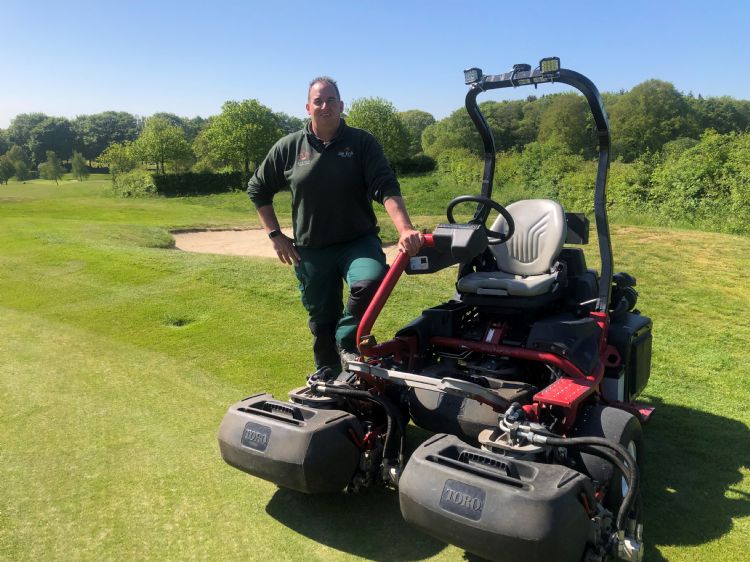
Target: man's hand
<point>285,249</point>
<point>410,241</point>
<point>282,244</point>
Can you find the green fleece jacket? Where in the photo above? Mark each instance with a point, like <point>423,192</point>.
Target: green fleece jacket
<point>333,186</point>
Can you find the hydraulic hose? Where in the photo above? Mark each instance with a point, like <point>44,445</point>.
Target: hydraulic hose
<point>591,445</point>
<point>393,416</point>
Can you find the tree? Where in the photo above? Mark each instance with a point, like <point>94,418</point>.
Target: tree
<point>55,134</point>
<point>651,114</point>
<point>381,119</point>
<point>504,119</point>
<point>16,153</point>
<point>20,128</point>
<point>22,170</point>
<point>567,120</point>
<point>120,158</point>
<point>94,133</point>
<point>4,142</point>
<point>161,142</point>
<point>415,122</point>
<point>170,118</point>
<point>205,160</point>
<point>7,169</point>
<point>527,129</point>
<point>723,114</point>
<point>193,127</point>
<point>288,123</point>
<point>455,131</point>
<point>241,135</point>
<point>51,169</point>
<point>78,166</point>
<point>17,157</point>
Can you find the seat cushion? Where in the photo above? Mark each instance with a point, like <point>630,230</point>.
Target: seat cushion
<point>527,260</point>
<point>537,241</point>
<point>499,283</point>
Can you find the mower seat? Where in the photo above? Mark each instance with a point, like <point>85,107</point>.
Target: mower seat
<point>527,262</point>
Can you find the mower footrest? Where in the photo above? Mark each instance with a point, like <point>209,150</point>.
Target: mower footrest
<point>495,506</point>
<point>565,392</point>
<point>294,446</point>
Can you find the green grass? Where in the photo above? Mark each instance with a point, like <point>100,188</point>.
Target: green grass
<point>119,356</point>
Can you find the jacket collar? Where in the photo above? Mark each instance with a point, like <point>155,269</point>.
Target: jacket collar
<point>312,138</point>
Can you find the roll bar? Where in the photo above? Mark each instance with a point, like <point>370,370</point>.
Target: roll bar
<point>523,75</point>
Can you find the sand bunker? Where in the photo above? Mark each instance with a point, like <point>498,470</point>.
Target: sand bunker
<point>253,243</point>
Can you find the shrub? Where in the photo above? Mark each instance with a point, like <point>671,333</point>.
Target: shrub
<point>736,178</point>
<point>690,187</point>
<point>543,167</point>
<point>628,186</point>
<point>461,166</point>
<point>138,183</point>
<point>507,168</point>
<point>577,187</point>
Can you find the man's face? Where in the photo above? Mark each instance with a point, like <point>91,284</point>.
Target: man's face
<point>324,106</point>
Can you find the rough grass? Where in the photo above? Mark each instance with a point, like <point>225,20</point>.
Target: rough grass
<point>119,356</point>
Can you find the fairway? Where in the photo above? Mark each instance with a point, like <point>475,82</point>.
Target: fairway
<point>119,356</point>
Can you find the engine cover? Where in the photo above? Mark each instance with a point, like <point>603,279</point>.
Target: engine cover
<point>494,506</point>
<point>303,448</point>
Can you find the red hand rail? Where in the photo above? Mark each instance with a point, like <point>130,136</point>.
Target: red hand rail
<point>381,296</point>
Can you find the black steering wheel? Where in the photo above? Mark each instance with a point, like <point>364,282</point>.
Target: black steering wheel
<point>493,237</point>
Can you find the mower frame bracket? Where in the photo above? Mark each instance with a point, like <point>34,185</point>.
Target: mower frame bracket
<point>446,385</point>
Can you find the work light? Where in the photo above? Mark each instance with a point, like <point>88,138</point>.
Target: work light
<point>472,75</point>
<point>550,65</point>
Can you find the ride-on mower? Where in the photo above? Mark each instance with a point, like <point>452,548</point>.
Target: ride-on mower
<point>527,377</point>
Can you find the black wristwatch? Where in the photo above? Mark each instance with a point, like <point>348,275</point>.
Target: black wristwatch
<point>274,233</point>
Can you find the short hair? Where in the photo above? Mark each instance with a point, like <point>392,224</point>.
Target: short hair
<point>326,80</point>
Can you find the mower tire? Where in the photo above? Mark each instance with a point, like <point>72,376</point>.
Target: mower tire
<point>618,426</point>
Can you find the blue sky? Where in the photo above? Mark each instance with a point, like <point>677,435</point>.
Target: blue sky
<point>67,58</point>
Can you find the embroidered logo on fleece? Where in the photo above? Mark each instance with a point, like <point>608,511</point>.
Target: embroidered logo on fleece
<point>346,153</point>
<point>303,158</point>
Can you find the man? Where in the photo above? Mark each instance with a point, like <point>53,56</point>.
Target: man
<point>334,172</point>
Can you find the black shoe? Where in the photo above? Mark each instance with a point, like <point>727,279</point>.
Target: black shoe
<point>324,374</point>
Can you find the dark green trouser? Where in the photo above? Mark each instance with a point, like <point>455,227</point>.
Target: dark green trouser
<point>321,273</point>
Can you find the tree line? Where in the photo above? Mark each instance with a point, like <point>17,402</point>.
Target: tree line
<point>545,143</point>
<point>642,120</point>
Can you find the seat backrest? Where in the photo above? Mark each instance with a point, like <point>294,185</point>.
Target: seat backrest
<point>538,239</point>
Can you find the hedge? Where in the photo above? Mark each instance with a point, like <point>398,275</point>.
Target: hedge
<point>197,183</point>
